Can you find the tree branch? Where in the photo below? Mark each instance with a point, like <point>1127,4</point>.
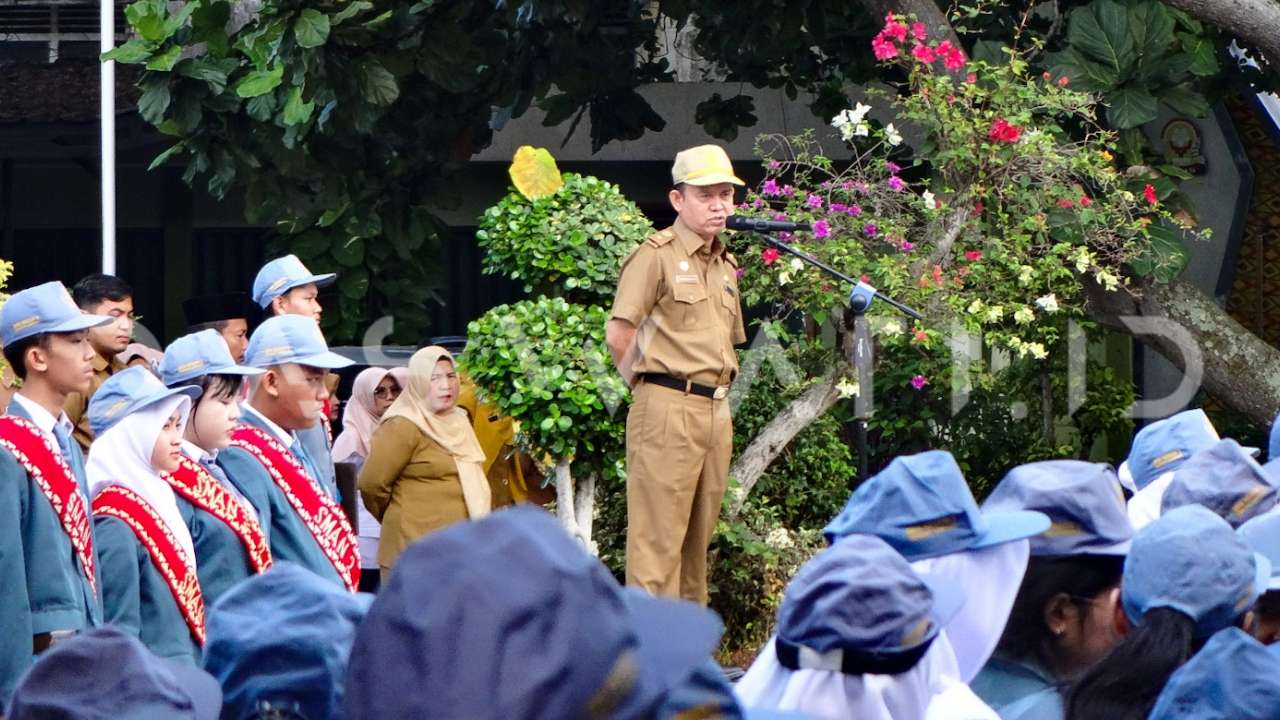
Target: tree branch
<point>926,11</point>
<point>1255,21</point>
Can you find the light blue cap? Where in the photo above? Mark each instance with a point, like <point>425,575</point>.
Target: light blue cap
<point>1083,501</point>
<point>921,505</point>
<point>1263,535</point>
<point>1225,478</point>
<point>1190,560</point>
<point>1165,444</point>
<point>1273,442</point>
<point>1233,677</point>
<point>291,339</point>
<point>46,308</point>
<point>128,391</point>
<point>199,354</point>
<point>282,275</point>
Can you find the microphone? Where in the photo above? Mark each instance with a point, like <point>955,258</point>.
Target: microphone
<point>738,222</point>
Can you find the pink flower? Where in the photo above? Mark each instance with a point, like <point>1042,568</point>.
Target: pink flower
<point>814,202</point>
<point>770,187</point>
<point>977,207</point>
<point>821,229</point>
<point>971,78</point>
<point>883,49</point>
<point>774,164</point>
<point>907,246</point>
<point>1066,203</point>
<point>864,278</point>
<point>1062,81</point>
<point>1004,131</point>
<point>838,208</point>
<point>1149,192</point>
<point>1085,201</point>
<point>784,236</point>
<point>769,256</point>
<point>924,54</point>
<point>870,229</point>
<point>855,210</point>
<point>954,60</point>
<point>738,273</point>
<point>895,183</point>
<point>892,167</point>
<point>894,29</point>
<point>918,382</point>
<point>757,203</point>
<point>779,216</point>
<point>920,336</point>
<point>788,191</point>
<point>918,31</point>
<point>973,255</point>
<point>944,47</point>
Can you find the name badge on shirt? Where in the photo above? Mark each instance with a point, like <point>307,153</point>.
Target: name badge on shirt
<point>687,280</point>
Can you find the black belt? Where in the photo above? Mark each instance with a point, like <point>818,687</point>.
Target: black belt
<point>675,383</point>
<point>852,661</point>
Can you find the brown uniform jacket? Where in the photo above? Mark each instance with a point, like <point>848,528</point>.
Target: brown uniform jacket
<point>410,484</point>
<point>682,297</point>
<point>77,404</point>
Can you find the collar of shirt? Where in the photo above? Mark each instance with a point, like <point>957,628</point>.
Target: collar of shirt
<point>43,418</point>
<point>281,434</point>
<point>693,243</point>
<point>197,453</point>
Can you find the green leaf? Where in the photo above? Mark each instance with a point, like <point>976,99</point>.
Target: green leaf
<point>212,71</point>
<point>131,53</point>
<point>154,100</point>
<point>1204,57</point>
<point>163,157</point>
<point>377,84</point>
<point>990,51</point>
<point>354,283</point>
<point>309,245</point>
<point>1084,74</point>
<point>208,25</point>
<point>1151,25</point>
<point>1165,256</point>
<point>350,11</point>
<point>176,20</point>
<point>148,18</point>
<point>1130,107</point>
<point>260,82</point>
<point>1185,100</point>
<point>1174,171</point>
<point>296,111</point>
<point>262,108</point>
<point>1100,31</point>
<point>1131,144</point>
<point>349,252</point>
<point>165,61</point>
<point>311,29</point>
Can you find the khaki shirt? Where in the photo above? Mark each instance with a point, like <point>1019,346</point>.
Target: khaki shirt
<point>77,405</point>
<point>682,297</point>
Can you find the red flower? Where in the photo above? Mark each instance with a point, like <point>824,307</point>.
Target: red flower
<point>1003,131</point>
<point>894,29</point>
<point>971,78</point>
<point>864,278</point>
<point>1062,81</point>
<point>1047,77</point>
<point>977,207</point>
<point>1085,201</point>
<point>1067,203</point>
<point>924,54</point>
<point>920,336</point>
<point>1149,193</point>
<point>937,274</point>
<point>954,60</point>
<point>973,255</point>
<point>769,256</point>
<point>918,31</point>
<point>882,48</point>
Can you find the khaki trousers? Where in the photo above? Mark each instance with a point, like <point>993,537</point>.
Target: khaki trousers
<point>678,450</point>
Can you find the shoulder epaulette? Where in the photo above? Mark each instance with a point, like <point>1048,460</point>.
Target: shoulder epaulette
<point>661,238</point>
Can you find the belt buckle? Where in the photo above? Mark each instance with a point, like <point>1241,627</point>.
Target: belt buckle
<point>721,392</point>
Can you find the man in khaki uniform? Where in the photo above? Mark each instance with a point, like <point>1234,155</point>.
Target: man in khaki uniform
<point>676,318</point>
<point>108,295</point>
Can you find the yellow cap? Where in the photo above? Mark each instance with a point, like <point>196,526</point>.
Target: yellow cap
<point>703,165</point>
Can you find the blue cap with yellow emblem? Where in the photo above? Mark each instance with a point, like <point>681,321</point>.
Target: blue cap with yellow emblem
<point>46,308</point>
<point>127,391</point>
<point>199,354</point>
<point>282,275</point>
<point>288,339</point>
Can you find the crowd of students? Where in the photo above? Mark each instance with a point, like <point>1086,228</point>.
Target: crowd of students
<point>197,564</point>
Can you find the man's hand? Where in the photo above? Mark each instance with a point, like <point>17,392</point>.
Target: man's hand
<point>620,336</point>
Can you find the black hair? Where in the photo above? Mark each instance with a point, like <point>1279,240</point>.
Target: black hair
<point>213,386</point>
<point>95,289</point>
<point>1268,606</point>
<point>1080,577</point>
<point>15,353</point>
<point>218,325</point>
<point>1125,684</point>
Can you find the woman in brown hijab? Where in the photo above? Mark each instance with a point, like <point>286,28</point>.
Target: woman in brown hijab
<point>425,468</point>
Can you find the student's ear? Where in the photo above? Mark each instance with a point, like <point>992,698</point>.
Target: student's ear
<point>1060,613</point>
<point>37,360</point>
<point>270,383</point>
<point>1121,621</point>
<point>278,303</point>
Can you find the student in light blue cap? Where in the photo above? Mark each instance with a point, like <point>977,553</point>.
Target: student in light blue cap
<point>150,585</point>
<point>49,579</point>
<point>285,286</point>
<point>1063,619</point>
<point>279,642</point>
<point>1232,678</point>
<point>855,639</point>
<point>1225,478</point>
<point>273,468</point>
<point>1263,535</point>
<point>1187,577</point>
<point>921,505</point>
<point>230,544</point>
<point>1157,451</point>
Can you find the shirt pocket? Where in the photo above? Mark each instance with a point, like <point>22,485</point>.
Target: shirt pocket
<point>729,299</point>
<point>691,305</point>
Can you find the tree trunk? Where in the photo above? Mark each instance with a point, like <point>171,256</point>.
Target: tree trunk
<point>780,431</point>
<point>1257,22</point>
<point>584,508</point>
<point>575,507</point>
<point>1236,367</point>
<point>926,11</point>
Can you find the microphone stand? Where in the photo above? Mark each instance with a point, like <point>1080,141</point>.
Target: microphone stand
<point>860,299</point>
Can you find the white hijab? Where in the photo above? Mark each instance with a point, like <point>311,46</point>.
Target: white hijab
<point>1144,506</point>
<point>122,456</point>
<point>928,691</point>
<point>990,578</point>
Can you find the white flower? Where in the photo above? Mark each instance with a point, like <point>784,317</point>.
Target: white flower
<point>797,264</point>
<point>891,135</point>
<point>1037,350</point>
<point>995,313</point>
<point>975,307</point>
<point>778,538</point>
<point>850,123</point>
<point>930,202</point>
<point>890,327</point>
<point>1082,259</point>
<point>1048,303</point>
<point>784,278</point>
<point>862,130</point>
<point>847,388</point>
<point>1024,274</point>
<point>859,112</point>
<point>1024,316</point>
<point>1109,281</point>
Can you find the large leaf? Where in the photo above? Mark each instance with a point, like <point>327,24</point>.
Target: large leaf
<point>260,82</point>
<point>1165,256</point>
<point>1085,74</point>
<point>311,29</point>
<point>349,252</point>
<point>131,53</point>
<point>1151,25</point>
<point>350,11</point>
<point>1101,32</point>
<point>534,173</point>
<point>212,71</point>
<point>1186,100</point>
<point>377,84</point>
<point>208,25</point>
<point>297,111</point>
<point>1130,107</point>
<point>1204,58</point>
<point>155,99</point>
<point>147,17</point>
<point>165,61</point>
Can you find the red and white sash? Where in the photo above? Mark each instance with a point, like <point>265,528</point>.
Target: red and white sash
<point>46,466</point>
<point>322,516</point>
<point>204,491</point>
<point>178,571</point>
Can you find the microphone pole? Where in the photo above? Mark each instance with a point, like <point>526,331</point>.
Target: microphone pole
<point>859,302</point>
